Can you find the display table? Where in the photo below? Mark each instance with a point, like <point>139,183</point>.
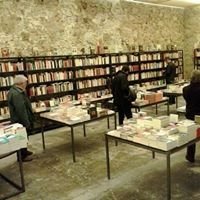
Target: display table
<point>13,137</point>
<point>20,187</point>
<point>175,94</point>
<point>138,106</point>
<point>166,153</point>
<point>101,99</point>
<point>72,124</point>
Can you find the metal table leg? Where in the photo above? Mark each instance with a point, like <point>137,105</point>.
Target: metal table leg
<point>156,109</point>
<point>73,147</point>
<point>176,102</point>
<point>20,187</point>
<point>84,130</point>
<point>42,132</point>
<point>107,156</point>
<point>168,107</point>
<point>108,122</point>
<point>168,178</point>
<point>21,170</point>
<point>153,154</point>
<point>115,120</point>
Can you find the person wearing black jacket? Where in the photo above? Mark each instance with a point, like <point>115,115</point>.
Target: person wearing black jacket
<point>170,74</point>
<point>191,94</point>
<point>20,109</point>
<point>120,91</point>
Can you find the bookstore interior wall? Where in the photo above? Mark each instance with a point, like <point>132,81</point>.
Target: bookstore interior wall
<point>192,36</point>
<point>61,27</point>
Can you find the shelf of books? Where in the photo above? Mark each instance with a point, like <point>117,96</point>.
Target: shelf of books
<point>177,58</point>
<point>73,76</point>
<point>9,67</point>
<point>91,75</point>
<point>197,58</point>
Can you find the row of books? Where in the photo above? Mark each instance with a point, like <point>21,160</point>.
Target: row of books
<point>134,68</point>
<point>53,88</point>
<point>11,67</point>
<point>47,103</point>
<point>174,55</point>
<point>92,72</point>
<point>151,74</point>
<point>119,59</point>
<point>91,83</point>
<point>99,60</point>
<point>133,77</point>
<point>3,95</point>
<point>153,84</point>
<point>4,110</point>
<point>49,76</point>
<point>49,64</point>
<point>6,81</point>
<point>124,58</point>
<point>151,65</point>
<point>150,57</point>
<point>95,94</point>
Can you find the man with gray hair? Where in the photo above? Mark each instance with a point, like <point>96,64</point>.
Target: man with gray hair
<point>20,109</point>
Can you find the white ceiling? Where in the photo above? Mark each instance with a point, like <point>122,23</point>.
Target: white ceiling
<point>177,3</point>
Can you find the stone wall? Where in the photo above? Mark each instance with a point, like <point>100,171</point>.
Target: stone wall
<point>192,37</point>
<point>62,26</point>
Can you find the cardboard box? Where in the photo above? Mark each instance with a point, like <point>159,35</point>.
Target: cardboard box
<point>158,96</point>
<point>150,97</point>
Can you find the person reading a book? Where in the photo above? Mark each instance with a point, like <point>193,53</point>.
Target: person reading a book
<point>121,94</point>
<point>20,109</point>
<point>191,94</point>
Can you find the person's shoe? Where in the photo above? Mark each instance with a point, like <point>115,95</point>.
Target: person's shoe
<point>192,160</point>
<point>28,153</point>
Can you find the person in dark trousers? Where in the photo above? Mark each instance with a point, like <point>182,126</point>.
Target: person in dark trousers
<point>20,109</point>
<point>120,91</point>
<point>191,94</point>
<point>170,74</point>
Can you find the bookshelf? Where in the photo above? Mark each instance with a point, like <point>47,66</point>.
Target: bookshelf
<point>54,77</point>
<point>197,58</point>
<point>9,67</point>
<point>177,58</point>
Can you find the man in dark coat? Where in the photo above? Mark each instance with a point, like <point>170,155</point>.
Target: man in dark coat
<point>170,74</point>
<point>20,108</point>
<point>120,91</point>
<point>191,94</point>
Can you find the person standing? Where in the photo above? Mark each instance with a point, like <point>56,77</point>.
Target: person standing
<point>20,109</point>
<point>120,91</point>
<point>191,94</point>
<point>170,74</point>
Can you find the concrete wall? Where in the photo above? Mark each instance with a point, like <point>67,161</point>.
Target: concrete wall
<point>192,36</point>
<point>63,26</point>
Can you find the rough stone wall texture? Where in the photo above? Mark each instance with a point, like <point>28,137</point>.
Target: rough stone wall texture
<point>63,26</point>
<point>192,37</point>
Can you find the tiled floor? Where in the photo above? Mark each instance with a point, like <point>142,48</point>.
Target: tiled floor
<point>52,175</point>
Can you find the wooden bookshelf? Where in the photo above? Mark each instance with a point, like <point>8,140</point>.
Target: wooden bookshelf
<point>52,77</point>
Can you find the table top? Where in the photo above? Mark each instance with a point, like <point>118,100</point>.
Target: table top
<point>102,98</point>
<point>148,147</point>
<point>135,104</point>
<point>172,92</point>
<point>59,117</point>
